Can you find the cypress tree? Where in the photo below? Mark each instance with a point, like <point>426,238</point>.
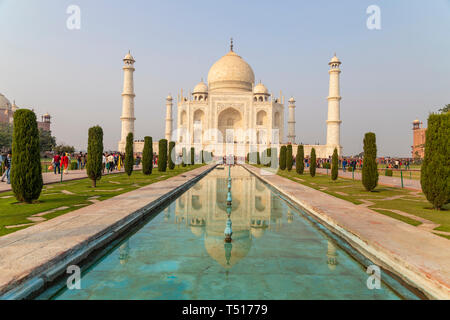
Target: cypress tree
<point>370,169</point>
<point>247,160</point>
<point>435,171</point>
<point>258,159</point>
<point>94,164</point>
<point>269,157</point>
<point>147,156</point>
<point>129,157</point>
<point>289,159</point>
<point>171,150</point>
<point>313,164</point>
<point>300,160</point>
<point>162,158</point>
<point>192,156</point>
<point>283,151</point>
<point>26,170</point>
<point>183,157</point>
<point>335,165</point>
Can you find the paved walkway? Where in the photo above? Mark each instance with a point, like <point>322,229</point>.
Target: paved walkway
<point>38,254</point>
<point>416,255</point>
<point>382,180</point>
<point>50,177</point>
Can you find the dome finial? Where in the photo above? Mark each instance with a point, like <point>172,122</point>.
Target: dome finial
<point>231,44</point>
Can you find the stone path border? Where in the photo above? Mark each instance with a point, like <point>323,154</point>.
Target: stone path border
<point>419,257</point>
<point>36,256</point>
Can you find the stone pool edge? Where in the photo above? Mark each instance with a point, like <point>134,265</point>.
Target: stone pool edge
<point>408,272</point>
<point>37,278</point>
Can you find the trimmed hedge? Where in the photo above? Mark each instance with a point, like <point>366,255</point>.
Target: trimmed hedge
<point>435,172</point>
<point>313,164</point>
<point>147,156</point>
<point>26,169</point>
<point>283,151</point>
<point>370,167</point>
<point>129,157</point>
<point>162,157</point>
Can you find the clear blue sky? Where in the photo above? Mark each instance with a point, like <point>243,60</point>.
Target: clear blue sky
<point>389,77</point>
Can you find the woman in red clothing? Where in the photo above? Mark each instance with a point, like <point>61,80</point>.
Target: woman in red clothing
<point>65,162</point>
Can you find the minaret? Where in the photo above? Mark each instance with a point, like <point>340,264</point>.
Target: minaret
<point>127,101</point>
<point>291,121</point>
<point>334,98</point>
<point>169,119</point>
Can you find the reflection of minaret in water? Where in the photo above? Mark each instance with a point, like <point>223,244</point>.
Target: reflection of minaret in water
<point>166,214</point>
<point>228,247</point>
<point>228,230</point>
<point>290,216</point>
<point>124,252</point>
<point>332,256</point>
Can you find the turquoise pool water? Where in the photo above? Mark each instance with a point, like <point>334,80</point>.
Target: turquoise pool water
<point>277,252</point>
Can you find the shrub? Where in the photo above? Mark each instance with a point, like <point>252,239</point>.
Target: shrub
<point>283,151</point>
<point>334,165</point>
<point>388,173</point>
<point>73,165</point>
<point>95,154</point>
<point>370,169</point>
<point>171,150</point>
<point>313,164</point>
<point>300,160</point>
<point>26,169</point>
<point>435,172</point>
<point>147,156</point>
<point>192,156</point>
<point>162,157</point>
<point>129,158</point>
<point>289,159</point>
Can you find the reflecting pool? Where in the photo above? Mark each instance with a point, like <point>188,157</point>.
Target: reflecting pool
<point>276,252</point>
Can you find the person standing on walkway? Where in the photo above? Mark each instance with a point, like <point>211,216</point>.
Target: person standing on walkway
<point>7,174</point>
<point>64,163</point>
<point>57,163</point>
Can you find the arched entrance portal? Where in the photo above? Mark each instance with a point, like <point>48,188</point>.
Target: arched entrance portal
<point>230,126</point>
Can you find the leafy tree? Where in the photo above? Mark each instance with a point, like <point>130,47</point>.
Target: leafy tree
<point>171,150</point>
<point>64,149</point>
<point>147,156</point>
<point>6,133</point>
<point>445,109</point>
<point>162,158</point>
<point>313,164</point>
<point>300,160</point>
<point>192,156</point>
<point>94,163</point>
<point>435,171</point>
<point>335,165</point>
<point>47,142</point>
<point>283,151</point>
<point>370,168</point>
<point>129,156</point>
<point>26,170</point>
<point>289,158</point>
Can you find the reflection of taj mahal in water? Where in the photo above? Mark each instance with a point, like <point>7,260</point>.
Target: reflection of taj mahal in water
<point>231,114</point>
<point>256,211</point>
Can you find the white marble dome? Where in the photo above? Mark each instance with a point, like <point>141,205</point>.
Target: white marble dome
<point>201,87</point>
<point>260,89</point>
<point>231,73</point>
<point>4,103</point>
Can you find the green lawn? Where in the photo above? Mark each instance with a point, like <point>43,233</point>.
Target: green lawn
<point>353,191</point>
<point>80,191</point>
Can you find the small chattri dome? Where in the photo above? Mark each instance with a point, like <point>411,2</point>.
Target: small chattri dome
<point>201,87</point>
<point>129,57</point>
<point>260,89</point>
<point>292,100</point>
<point>169,98</point>
<point>416,121</point>
<point>335,60</point>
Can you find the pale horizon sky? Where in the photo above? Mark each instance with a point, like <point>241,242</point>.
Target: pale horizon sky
<point>389,77</point>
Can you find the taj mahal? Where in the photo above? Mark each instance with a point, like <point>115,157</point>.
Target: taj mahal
<point>231,114</point>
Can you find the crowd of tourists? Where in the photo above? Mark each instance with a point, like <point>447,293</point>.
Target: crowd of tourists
<point>5,162</point>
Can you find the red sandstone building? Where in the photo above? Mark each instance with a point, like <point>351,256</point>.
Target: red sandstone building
<point>418,147</point>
